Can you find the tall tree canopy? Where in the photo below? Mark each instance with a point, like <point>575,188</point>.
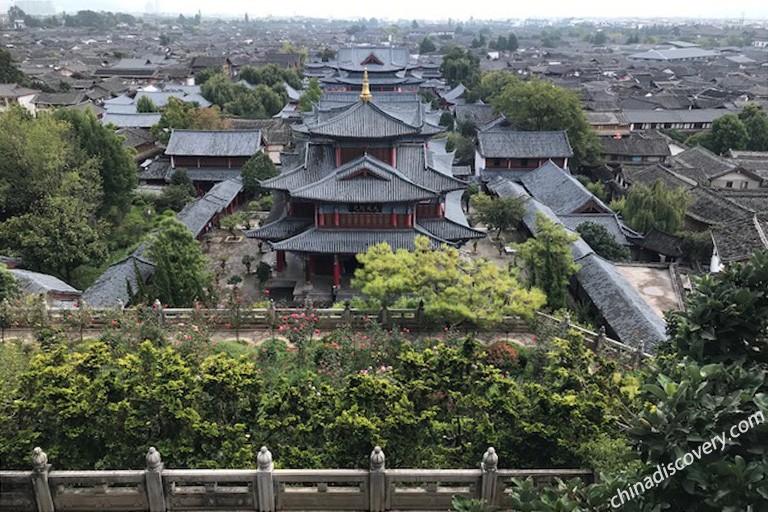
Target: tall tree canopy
<point>454,289</point>
<point>181,271</point>
<point>500,213</point>
<point>461,66</point>
<point>549,260</point>
<point>756,122</point>
<point>116,164</point>
<point>258,168</point>
<point>185,115</point>
<point>538,105</point>
<point>655,206</point>
<point>9,71</point>
<point>728,132</point>
<point>311,95</point>
<point>602,242</point>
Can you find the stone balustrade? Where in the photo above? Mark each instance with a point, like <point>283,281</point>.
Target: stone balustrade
<point>265,489</point>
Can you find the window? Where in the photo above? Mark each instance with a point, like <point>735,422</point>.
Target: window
<point>744,184</point>
<point>728,184</point>
<point>524,162</point>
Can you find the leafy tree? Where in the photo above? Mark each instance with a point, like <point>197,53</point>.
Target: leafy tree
<point>9,71</point>
<point>460,66</point>
<point>756,122</point>
<point>145,104</point>
<point>511,42</point>
<point>446,119</point>
<point>39,159</point>
<point>270,75</point>
<point>696,246</point>
<point>326,54</point>
<point>258,168</point>
<point>493,83</point>
<point>206,74</point>
<point>9,288</point>
<point>453,289</point>
<point>116,164</point>
<point>464,147</point>
<point>427,46</point>
<point>601,241</point>
<point>185,115</point>
<point>703,139</point>
<point>176,195</point>
<point>599,38</point>
<point>536,105</point>
<point>500,213</point>
<point>56,237</point>
<point>181,271</point>
<point>657,206</point>
<point>728,132</point>
<point>310,96</point>
<point>549,260</point>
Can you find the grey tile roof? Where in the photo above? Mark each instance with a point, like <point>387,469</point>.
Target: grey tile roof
<point>131,120</point>
<point>512,144</point>
<point>215,174</point>
<point>366,120</point>
<point>220,143</point>
<point>445,229</point>
<point>160,98</point>
<point>675,116</point>
<point>35,282</point>
<point>610,221</point>
<point>738,240</point>
<point>282,228</point>
<point>703,160</point>
<point>347,241</point>
<point>119,279</point>
<point>625,311</point>
<point>559,190</point>
<point>378,183</point>
<point>752,199</point>
<point>637,144</point>
<point>392,58</point>
<point>675,54</point>
<point>648,174</point>
<point>318,161</point>
<point>661,242</point>
<point>198,214</point>
<point>709,207</point>
<point>418,163</point>
<point>59,98</point>
<point>478,113</point>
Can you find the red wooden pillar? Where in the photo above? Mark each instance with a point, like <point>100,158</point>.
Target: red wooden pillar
<point>338,156</point>
<point>394,156</point>
<point>316,215</point>
<point>393,219</point>
<point>336,270</point>
<point>280,261</point>
<point>336,218</point>
<point>409,221</point>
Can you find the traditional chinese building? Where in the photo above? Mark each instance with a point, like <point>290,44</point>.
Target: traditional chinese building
<point>365,175</point>
<point>388,67</point>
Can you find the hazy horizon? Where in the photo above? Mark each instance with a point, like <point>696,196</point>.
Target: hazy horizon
<point>431,10</point>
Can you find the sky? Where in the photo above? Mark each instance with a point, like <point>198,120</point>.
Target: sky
<point>443,9</point>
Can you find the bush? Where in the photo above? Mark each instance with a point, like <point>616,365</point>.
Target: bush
<point>503,356</point>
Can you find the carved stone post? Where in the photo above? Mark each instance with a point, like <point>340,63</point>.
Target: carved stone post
<point>639,353</point>
<point>40,469</point>
<point>154,481</point>
<point>158,307</point>
<point>600,340</point>
<point>565,325</point>
<point>377,481</point>
<point>346,316</point>
<point>384,316</point>
<point>420,313</point>
<point>271,314</point>
<point>489,480</point>
<point>265,487</point>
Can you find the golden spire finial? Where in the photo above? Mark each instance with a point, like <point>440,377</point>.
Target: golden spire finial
<point>366,94</point>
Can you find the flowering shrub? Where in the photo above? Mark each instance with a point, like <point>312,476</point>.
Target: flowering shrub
<point>369,352</point>
<point>503,356</point>
<point>299,328</point>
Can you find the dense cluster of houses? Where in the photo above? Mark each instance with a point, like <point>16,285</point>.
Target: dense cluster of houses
<point>364,165</point>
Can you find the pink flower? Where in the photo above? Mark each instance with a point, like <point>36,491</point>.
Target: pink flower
<point>335,345</point>
<point>317,331</point>
<point>228,324</point>
<point>266,292</point>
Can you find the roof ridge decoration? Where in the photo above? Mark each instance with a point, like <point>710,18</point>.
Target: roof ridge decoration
<point>365,95</point>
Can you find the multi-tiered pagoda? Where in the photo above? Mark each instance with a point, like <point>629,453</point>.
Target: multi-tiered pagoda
<point>389,69</point>
<point>365,175</point>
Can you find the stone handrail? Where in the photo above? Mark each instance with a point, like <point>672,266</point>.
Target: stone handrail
<point>265,489</point>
